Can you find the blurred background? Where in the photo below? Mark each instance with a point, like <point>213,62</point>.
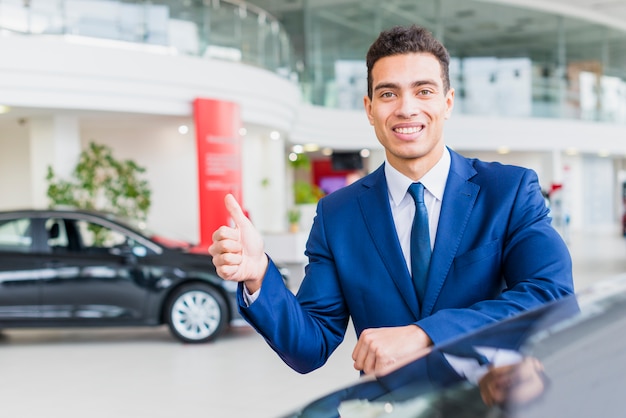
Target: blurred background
<point>538,83</point>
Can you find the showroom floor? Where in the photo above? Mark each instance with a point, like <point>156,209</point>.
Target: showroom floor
<point>142,372</point>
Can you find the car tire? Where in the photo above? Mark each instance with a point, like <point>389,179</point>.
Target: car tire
<point>196,313</point>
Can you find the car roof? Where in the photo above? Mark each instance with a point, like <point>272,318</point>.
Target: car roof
<point>69,212</point>
<point>48,212</point>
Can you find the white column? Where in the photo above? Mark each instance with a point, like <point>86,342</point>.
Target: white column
<point>55,142</point>
<point>15,166</point>
<point>263,178</point>
<point>376,158</point>
<point>557,167</point>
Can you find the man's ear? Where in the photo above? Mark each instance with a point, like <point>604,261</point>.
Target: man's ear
<point>367,104</point>
<point>449,102</point>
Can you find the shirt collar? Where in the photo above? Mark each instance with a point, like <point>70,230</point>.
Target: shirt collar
<point>434,181</point>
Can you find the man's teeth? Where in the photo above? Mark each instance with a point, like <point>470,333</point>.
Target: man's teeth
<point>411,130</point>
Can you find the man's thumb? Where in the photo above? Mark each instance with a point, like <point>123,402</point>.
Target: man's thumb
<point>235,210</point>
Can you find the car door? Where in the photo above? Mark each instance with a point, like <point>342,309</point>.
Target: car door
<point>20,269</point>
<point>92,282</point>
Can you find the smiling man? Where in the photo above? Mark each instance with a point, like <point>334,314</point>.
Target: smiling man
<point>490,251</point>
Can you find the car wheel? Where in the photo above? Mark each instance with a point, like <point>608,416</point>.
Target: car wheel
<point>196,313</point>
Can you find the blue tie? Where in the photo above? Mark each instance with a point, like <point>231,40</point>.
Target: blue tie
<point>420,240</point>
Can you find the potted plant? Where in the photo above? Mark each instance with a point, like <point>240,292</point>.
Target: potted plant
<point>101,182</point>
<point>294,215</point>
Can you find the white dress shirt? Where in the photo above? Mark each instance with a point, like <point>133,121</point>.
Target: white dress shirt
<point>403,205</point>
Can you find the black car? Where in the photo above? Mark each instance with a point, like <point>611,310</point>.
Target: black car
<point>564,359</point>
<point>63,268</point>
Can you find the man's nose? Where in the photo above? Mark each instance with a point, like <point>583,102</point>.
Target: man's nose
<point>408,106</point>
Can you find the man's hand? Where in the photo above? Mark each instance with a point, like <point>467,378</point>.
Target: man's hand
<point>382,350</point>
<point>238,251</point>
<point>514,384</point>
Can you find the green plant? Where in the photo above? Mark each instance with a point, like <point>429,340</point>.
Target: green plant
<point>305,192</point>
<point>302,161</point>
<point>294,215</point>
<point>101,182</point>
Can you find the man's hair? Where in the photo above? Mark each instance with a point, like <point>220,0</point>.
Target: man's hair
<point>405,40</point>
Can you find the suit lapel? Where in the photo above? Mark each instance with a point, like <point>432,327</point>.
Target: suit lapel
<point>458,202</point>
<point>374,203</point>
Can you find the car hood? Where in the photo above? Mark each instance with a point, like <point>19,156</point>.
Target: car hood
<point>526,366</point>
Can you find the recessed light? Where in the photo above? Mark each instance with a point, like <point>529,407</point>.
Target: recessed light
<point>311,147</point>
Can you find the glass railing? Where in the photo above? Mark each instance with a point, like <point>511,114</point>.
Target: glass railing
<point>223,29</point>
<point>506,60</point>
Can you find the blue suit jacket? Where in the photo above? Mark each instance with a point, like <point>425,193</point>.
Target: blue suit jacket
<point>495,254</point>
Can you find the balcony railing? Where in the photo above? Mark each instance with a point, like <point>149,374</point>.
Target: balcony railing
<point>223,29</point>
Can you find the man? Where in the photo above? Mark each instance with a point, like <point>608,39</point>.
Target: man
<point>494,252</point>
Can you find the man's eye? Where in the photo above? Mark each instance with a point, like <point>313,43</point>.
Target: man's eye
<point>424,92</point>
<point>387,94</point>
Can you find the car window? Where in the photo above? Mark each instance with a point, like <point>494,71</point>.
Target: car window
<point>82,236</point>
<point>15,235</point>
<point>57,235</point>
<point>94,235</point>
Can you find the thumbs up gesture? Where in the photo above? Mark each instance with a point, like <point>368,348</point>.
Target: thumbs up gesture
<point>238,251</point>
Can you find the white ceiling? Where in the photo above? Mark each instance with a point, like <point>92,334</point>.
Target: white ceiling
<point>614,10</point>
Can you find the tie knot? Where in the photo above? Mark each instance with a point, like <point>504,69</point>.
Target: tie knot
<point>416,190</point>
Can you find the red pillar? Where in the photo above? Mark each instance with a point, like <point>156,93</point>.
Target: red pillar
<point>219,162</point>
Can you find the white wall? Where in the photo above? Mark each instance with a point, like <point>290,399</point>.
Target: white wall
<point>15,174</point>
<point>171,170</point>
<point>264,181</point>
<point>70,73</point>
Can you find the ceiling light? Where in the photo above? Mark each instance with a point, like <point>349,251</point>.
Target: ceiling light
<point>4,109</point>
<point>243,131</point>
<point>365,153</point>
<point>183,129</point>
<point>311,147</point>
<point>275,135</point>
<point>327,152</point>
<point>298,149</point>
<point>503,150</point>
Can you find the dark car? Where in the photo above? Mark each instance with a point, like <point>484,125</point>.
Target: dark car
<point>78,268</point>
<point>564,359</point>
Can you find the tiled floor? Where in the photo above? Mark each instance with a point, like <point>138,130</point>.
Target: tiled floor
<point>145,373</point>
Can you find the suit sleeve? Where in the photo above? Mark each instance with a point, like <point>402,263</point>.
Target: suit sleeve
<point>535,268</point>
<point>303,330</point>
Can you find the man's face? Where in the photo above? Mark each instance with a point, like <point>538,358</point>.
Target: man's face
<point>408,109</point>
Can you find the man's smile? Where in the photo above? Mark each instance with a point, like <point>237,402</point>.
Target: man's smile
<point>408,130</point>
